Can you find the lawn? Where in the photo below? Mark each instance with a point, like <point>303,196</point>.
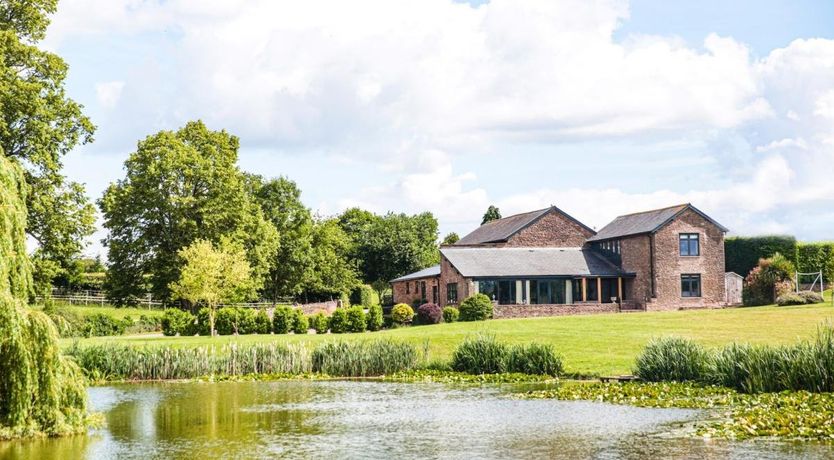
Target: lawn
<point>593,344</point>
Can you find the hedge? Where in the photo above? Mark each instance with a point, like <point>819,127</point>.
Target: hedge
<point>813,257</point>
<point>742,253</point>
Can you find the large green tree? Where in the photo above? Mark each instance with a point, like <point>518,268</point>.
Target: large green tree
<point>492,213</point>
<point>292,264</point>
<point>39,125</point>
<point>180,186</point>
<point>332,273</point>
<point>385,247</point>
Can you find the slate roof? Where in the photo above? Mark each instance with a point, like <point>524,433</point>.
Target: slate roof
<point>645,222</point>
<point>434,270</point>
<point>528,262</point>
<point>503,229</point>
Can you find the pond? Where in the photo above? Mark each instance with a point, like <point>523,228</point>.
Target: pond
<point>352,419</point>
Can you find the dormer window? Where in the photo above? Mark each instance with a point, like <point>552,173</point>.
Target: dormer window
<point>690,244</point>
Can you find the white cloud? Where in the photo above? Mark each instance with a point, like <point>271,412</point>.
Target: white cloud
<point>409,85</point>
<point>109,93</point>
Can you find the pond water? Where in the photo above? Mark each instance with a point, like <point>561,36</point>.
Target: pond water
<point>350,419</point>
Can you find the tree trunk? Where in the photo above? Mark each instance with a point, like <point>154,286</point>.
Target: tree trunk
<point>211,319</point>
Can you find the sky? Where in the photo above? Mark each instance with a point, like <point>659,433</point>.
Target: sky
<point>598,107</point>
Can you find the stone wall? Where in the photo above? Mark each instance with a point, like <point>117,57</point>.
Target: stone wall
<point>551,230</point>
<point>533,311</point>
<point>669,264</point>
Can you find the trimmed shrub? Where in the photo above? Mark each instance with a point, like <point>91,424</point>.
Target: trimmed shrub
<point>364,295</point>
<point>672,358</point>
<point>811,297</point>
<point>225,321</point>
<point>263,325</point>
<point>203,322</point>
<point>476,308</point>
<point>245,321</point>
<point>144,324</point>
<point>450,314</point>
<point>374,317</point>
<point>282,319</point>
<point>534,358</point>
<point>480,355</point>
<point>319,322</point>
<point>300,325</point>
<point>429,313</point>
<point>356,321</point>
<point>100,324</point>
<point>401,314</point>
<point>790,299</point>
<point>176,321</point>
<point>338,321</point>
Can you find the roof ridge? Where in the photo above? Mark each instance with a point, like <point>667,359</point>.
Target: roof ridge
<point>681,205</point>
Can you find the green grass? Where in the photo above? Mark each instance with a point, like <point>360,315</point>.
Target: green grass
<point>117,313</point>
<point>591,345</point>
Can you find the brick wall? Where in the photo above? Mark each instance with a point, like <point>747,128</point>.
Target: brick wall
<point>411,293</point>
<point>670,264</point>
<point>533,311</point>
<point>553,230</point>
<point>635,253</point>
<point>450,274</point>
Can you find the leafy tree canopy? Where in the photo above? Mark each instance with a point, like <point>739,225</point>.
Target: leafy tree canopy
<point>451,238</point>
<point>332,273</point>
<point>492,213</point>
<point>180,186</point>
<point>292,263</point>
<point>40,124</point>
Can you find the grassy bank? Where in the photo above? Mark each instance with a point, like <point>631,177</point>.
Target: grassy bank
<point>591,345</point>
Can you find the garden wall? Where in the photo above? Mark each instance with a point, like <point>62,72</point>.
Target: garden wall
<point>534,311</point>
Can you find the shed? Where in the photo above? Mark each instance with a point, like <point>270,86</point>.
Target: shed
<point>733,285</point>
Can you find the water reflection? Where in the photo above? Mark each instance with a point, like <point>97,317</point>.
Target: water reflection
<point>377,420</point>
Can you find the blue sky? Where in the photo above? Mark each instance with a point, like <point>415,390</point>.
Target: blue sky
<point>600,108</point>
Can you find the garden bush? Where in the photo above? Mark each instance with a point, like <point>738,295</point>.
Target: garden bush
<point>225,321</point>
<point>356,321</point>
<point>282,319</point>
<point>375,318</point>
<point>245,321</point>
<point>672,358</point>
<point>476,308</point>
<point>144,324</point>
<point>203,323</point>
<point>811,297</point>
<point>300,325</point>
<point>429,313</point>
<point>768,280</point>
<point>365,295</point>
<point>402,314</point>
<point>176,321</point>
<point>338,321</point>
<point>450,314</point>
<point>263,325</point>
<point>100,325</point>
<point>319,322</point>
<point>790,298</point>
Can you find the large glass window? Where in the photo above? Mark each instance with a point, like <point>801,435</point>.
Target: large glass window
<point>488,288</point>
<point>690,285</point>
<point>591,290</point>
<point>689,244</point>
<point>452,293</point>
<point>506,292</point>
<point>609,289</point>
<point>423,291</point>
<point>547,291</point>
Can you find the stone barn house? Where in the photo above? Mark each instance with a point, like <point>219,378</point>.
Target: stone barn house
<point>545,263</point>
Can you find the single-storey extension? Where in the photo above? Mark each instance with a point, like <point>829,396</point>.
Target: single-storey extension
<point>545,262</point>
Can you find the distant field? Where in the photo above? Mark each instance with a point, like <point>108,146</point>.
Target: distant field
<point>593,344</point>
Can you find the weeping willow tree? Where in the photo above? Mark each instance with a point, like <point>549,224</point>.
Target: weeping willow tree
<point>41,391</point>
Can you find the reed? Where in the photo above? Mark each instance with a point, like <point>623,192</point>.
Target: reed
<point>483,354</point>
<point>364,359</point>
<point>672,359</point>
